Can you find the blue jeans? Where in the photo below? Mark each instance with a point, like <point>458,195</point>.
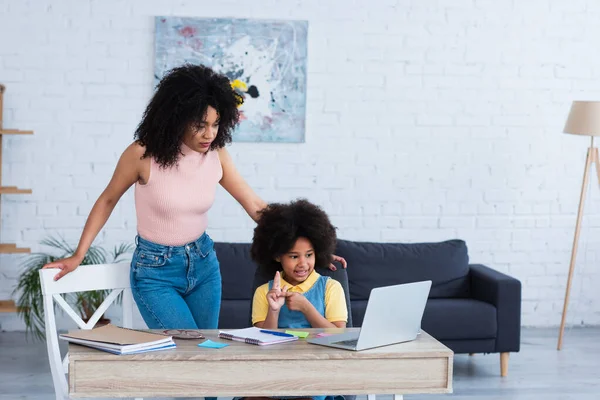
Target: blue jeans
<point>177,287</point>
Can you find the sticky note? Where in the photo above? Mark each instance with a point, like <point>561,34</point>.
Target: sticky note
<point>297,333</point>
<point>212,345</point>
<point>323,334</point>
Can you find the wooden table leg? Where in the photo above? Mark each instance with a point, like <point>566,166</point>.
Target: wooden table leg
<point>504,364</point>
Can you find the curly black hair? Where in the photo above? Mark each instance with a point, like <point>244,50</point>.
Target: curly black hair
<point>280,225</point>
<point>181,100</point>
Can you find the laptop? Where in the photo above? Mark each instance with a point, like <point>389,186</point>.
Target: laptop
<point>393,315</point>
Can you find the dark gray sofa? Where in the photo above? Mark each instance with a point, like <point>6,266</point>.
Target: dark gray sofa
<point>471,308</point>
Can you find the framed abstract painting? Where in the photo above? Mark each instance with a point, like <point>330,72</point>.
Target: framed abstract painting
<point>265,61</point>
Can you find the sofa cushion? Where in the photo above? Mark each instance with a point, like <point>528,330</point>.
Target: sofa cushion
<point>449,319</point>
<point>237,270</point>
<point>372,265</point>
<point>456,319</point>
<point>234,314</point>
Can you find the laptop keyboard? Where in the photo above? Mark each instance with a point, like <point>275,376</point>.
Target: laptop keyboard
<point>351,343</point>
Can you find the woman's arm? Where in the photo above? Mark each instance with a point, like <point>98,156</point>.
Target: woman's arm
<point>237,187</point>
<point>126,174</point>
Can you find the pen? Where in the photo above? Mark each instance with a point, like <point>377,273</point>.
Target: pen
<point>277,333</point>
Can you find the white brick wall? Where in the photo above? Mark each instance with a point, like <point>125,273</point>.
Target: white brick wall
<point>425,122</point>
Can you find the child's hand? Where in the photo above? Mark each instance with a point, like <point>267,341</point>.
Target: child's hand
<point>296,301</point>
<point>276,296</point>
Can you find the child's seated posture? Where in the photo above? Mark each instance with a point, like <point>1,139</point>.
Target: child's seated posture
<point>295,238</point>
<point>290,240</point>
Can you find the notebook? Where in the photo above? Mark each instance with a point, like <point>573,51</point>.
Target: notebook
<point>254,335</point>
<point>117,340</point>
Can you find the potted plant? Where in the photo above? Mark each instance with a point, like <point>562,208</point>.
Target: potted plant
<point>30,302</point>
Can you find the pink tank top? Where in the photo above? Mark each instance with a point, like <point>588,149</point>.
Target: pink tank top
<point>172,206</point>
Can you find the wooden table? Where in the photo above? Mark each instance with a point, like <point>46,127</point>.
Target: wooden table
<point>290,369</point>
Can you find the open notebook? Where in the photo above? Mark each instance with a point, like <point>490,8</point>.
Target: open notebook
<point>253,335</point>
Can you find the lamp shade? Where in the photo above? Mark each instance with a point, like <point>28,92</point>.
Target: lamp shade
<point>584,118</point>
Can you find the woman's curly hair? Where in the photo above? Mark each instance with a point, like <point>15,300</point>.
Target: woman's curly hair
<point>280,225</point>
<point>181,100</point>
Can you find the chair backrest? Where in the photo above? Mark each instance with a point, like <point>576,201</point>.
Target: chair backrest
<point>114,277</point>
<point>340,275</point>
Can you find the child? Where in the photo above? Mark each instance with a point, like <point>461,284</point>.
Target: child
<point>289,241</point>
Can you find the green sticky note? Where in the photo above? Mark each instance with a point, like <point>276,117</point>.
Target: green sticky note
<point>297,333</point>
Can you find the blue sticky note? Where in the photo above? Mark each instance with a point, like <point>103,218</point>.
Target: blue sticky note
<point>212,345</point>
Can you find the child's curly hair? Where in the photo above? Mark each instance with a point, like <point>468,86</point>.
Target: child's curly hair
<point>280,225</point>
<point>181,100</point>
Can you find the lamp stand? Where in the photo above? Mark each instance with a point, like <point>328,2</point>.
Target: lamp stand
<point>592,158</point>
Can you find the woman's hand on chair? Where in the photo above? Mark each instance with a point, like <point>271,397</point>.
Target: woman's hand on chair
<point>65,265</point>
<point>339,259</point>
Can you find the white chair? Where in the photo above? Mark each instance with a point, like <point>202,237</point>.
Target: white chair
<point>85,278</point>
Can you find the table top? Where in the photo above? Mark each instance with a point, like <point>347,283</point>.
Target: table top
<point>424,346</point>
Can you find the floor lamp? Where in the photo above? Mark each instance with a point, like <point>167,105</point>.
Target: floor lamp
<point>584,119</point>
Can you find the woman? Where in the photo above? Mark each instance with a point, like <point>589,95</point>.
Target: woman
<point>176,161</point>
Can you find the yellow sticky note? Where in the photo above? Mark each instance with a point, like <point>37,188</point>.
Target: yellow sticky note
<point>297,333</point>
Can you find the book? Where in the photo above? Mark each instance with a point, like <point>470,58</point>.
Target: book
<point>254,336</point>
<point>124,351</point>
<point>117,340</point>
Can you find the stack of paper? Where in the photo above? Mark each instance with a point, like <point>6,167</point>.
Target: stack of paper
<point>116,340</point>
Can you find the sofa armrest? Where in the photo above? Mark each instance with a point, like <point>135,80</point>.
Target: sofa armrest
<point>504,292</point>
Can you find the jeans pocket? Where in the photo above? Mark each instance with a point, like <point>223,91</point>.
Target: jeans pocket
<point>152,259</point>
<point>206,247</point>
